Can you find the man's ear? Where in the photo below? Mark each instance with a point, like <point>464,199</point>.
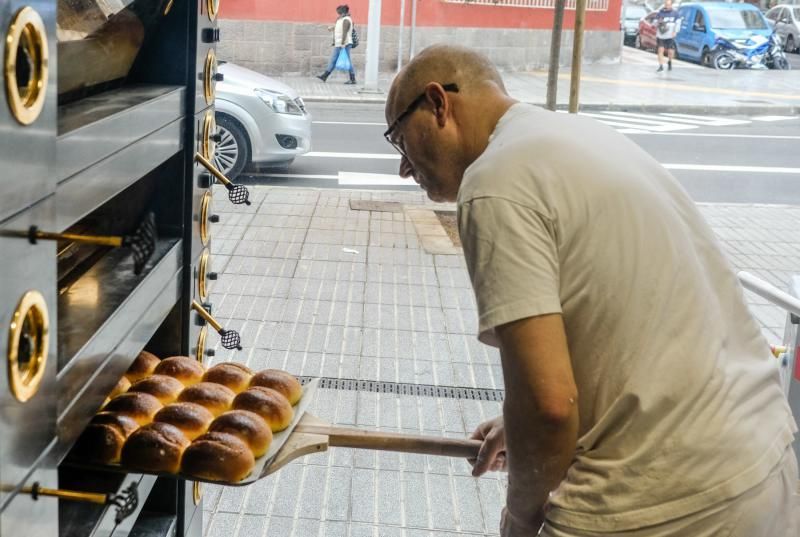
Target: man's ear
<point>437,97</point>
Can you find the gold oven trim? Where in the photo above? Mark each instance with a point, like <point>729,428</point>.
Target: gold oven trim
<point>197,492</point>
<point>27,37</point>
<point>200,351</point>
<point>205,209</point>
<point>208,146</point>
<point>202,275</point>
<point>210,76</point>
<point>31,322</point>
<point>213,8</point>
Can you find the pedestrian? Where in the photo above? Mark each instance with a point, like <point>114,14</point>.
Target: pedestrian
<point>641,398</point>
<point>668,23</point>
<point>342,43</point>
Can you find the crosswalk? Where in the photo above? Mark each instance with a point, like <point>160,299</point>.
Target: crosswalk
<point>636,123</point>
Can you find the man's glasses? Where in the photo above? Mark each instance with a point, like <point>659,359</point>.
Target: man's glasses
<point>407,112</point>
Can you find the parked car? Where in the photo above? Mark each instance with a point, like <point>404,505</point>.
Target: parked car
<point>646,38</point>
<point>261,122</point>
<point>703,23</point>
<point>785,19</point>
<point>630,22</point>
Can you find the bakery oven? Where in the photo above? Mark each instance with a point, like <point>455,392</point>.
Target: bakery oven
<point>106,232</point>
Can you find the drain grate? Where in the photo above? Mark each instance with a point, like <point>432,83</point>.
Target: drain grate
<point>400,388</point>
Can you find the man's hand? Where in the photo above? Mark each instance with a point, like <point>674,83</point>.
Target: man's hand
<point>492,455</point>
<point>510,526</point>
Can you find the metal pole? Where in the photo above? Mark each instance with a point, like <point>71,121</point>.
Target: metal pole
<point>577,54</point>
<point>400,38</point>
<point>413,43</point>
<point>555,54</point>
<point>373,47</point>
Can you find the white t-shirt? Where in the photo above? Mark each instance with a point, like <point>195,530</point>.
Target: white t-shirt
<point>679,397</point>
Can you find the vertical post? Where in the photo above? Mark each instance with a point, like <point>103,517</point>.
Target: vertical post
<point>400,38</point>
<point>413,41</point>
<point>577,55</point>
<point>555,54</point>
<point>373,47</point>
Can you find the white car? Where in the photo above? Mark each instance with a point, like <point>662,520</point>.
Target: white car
<point>786,21</point>
<point>260,121</point>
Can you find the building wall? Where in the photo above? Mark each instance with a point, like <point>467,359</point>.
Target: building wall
<point>291,38</point>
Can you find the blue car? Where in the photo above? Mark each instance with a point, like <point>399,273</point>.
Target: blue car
<point>703,23</point>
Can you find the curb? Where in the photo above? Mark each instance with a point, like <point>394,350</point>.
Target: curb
<point>723,109</point>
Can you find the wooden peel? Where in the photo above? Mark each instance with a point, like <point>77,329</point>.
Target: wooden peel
<point>312,435</point>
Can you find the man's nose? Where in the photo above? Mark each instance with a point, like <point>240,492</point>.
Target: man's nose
<point>406,169</point>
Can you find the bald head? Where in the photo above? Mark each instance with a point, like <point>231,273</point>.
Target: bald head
<point>445,64</point>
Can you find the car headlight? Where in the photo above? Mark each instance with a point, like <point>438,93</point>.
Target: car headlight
<point>280,103</point>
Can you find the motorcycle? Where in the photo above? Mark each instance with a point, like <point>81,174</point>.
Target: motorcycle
<point>755,52</point>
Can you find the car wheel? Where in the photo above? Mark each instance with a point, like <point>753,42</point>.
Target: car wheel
<point>790,46</point>
<point>705,59</point>
<point>232,152</point>
<point>637,43</point>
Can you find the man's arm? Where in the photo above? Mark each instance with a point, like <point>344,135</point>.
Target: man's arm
<point>540,413</point>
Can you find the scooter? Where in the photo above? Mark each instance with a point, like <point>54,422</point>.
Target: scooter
<point>776,57</point>
<point>757,52</point>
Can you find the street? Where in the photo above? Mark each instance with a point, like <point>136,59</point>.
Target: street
<point>731,159</point>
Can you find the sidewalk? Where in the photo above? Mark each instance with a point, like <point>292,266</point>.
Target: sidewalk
<point>631,85</point>
<point>321,287</point>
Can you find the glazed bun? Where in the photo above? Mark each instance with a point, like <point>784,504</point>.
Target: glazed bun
<point>192,419</point>
<point>185,369</point>
<point>280,381</point>
<point>157,447</point>
<point>272,406</point>
<point>247,427</point>
<point>215,397</point>
<point>139,406</point>
<point>143,365</point>
<point>232,375</point>
<point>165,389</point>
<point>218,457</point>
<point>102,440</point>
<point>122,386</point>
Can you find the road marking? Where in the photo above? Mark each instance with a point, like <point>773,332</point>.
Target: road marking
<point>737,169</point>
<point>707,135</point>
<point>292,175</point>
<point>326,154</point>
<point>773,118</point>
<point>373,179</point>
<point>633,123</point>
<point>690,119</point>
<point>365,123</point>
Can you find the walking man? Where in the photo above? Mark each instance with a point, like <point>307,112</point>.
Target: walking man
<point>641,399</point>
<point>342,43</point>
<point>667,27</point>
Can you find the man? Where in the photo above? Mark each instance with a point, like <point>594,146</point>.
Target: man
<point>667,26</point>
<point>641,398</point>
<point>342,43</point>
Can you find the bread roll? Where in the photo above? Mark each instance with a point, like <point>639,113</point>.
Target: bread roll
<point>215,397</point>
<point>165,389</point>
<point>139,406</point>
<point>246,426</point>
<point>267,403</point>
<point>232,375</point>
<point>218,457</point>
<point>156,447</point>
<point>143,365</point>
<point>280,381</point>
<point>192,419</point>
<point>187,370</point>
<point>122,386</point>
<point>102,440</point>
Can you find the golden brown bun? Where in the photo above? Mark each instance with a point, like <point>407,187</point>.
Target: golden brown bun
<point>139,406</point>
<point>157,447</point>
<point>280,381</point>
<point>218,457</point>
<point>143,365</point>
<point>165,389</point>
<point>215,397</point>
<point>123,385</point>
<point>232,375</point>
<point>248,427</point>
<point>267,403</point>
<point>187,370</point>
<point>102,440</point>
<point>192,419</point>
